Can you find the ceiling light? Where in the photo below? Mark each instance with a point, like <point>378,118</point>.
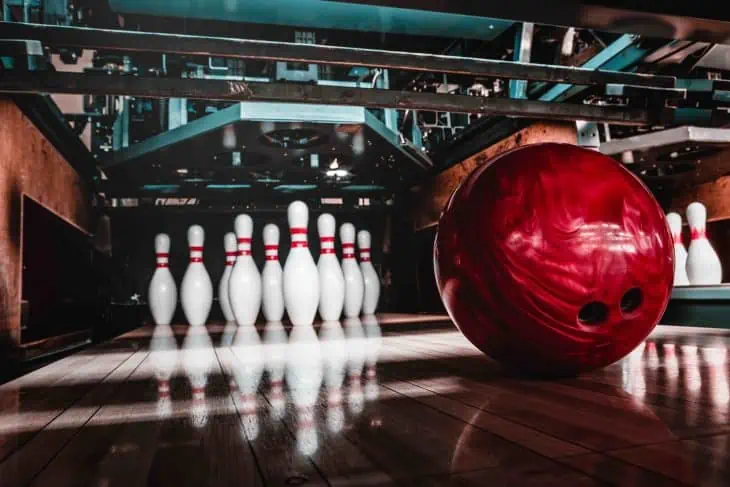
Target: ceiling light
<point>295,187</point>
<point>163,188</point>
<point>364,187</point>
<point>334,164</point>
<point>340,173</point>
<point>182,171</point>
<point>228,186</point>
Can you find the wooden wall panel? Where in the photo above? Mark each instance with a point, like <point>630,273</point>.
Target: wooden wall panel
<point>29,164</point>
<point>715,195</point>
<point>430,199</point>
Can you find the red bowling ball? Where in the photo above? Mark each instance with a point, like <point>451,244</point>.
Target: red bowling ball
<point>554,259</point>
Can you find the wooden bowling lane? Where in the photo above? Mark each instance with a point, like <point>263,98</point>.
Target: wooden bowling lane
<point>405,400</point>
<point>272,440</point>
<point>41,401</point>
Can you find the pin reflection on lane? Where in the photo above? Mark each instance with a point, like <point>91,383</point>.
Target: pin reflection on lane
<point>334,353</point>
<point>356,344</point>
<point>304,378</point>
<point>247,370</point>
<point>163,353</point>
<point>373,337</point>
<point>308,368</point>
<point>199,360</point>
<point>696,374</point>
<point>275,342</point>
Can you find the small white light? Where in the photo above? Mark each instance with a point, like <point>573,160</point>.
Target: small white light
<point>334,164</point>
<point>229,137</point>
<point>182,171</point>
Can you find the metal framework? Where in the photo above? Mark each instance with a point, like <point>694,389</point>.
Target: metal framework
<point>226,90</point>
<point>699,21</point>
<point>121,40</point>
<point>670,138</point>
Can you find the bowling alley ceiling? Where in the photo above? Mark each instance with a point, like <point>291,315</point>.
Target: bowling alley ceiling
<point>241,102</point>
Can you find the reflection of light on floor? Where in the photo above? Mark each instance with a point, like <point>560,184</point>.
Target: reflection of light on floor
<point>274,351</point>
<point>671,362</point>
<point>393,318</point>
<point>49,375</point>
<point>674,331</point>
<point>327,375</point>
<point>632,371</point>
<point>138,412</point>
<point>652,356</point>
<point>691,367</point>
<point>716,360</point>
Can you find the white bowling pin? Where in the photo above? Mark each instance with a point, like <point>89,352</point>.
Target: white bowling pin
<point>371,280</point>
<point>272,279</point>
<point>244,286</point>
<point>162,294</point>
<point>301,279</point>
<point>331,279</point>
<point>674,220</point>
<point>196,290</point>
<point>229,243</point>
<point>351,271</point>
<point>703,264</point>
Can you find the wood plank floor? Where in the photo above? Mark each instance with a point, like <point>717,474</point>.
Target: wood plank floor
<point>397,400</point>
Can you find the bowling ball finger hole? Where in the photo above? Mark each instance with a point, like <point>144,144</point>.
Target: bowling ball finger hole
<point>593,313</point>
<point>631,300</point>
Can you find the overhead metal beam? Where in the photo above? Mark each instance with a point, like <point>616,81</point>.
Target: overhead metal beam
<point>256,191</point>
<point>225,90</point>
<point>698,21</point>
<point>622,53</point>
<point>224,207</point>
<point>232,115</point>
<point>122,40</point>
<point>664,139</point>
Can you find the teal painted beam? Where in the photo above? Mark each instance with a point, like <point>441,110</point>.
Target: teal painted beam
<point>522,54</point>
<point>323,15</point>
<point>622,54</point>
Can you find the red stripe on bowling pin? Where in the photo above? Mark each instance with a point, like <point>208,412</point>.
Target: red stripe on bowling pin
<point>162,260</point>
<point>698,233</point>
<point>298,237</point>
<point>365,255</point>
<point>327,245</point>
<point>348,250</point>
<point>196,254</point>
<point>272,252</point>
<point>244,246</point>
<point>231,258</point>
